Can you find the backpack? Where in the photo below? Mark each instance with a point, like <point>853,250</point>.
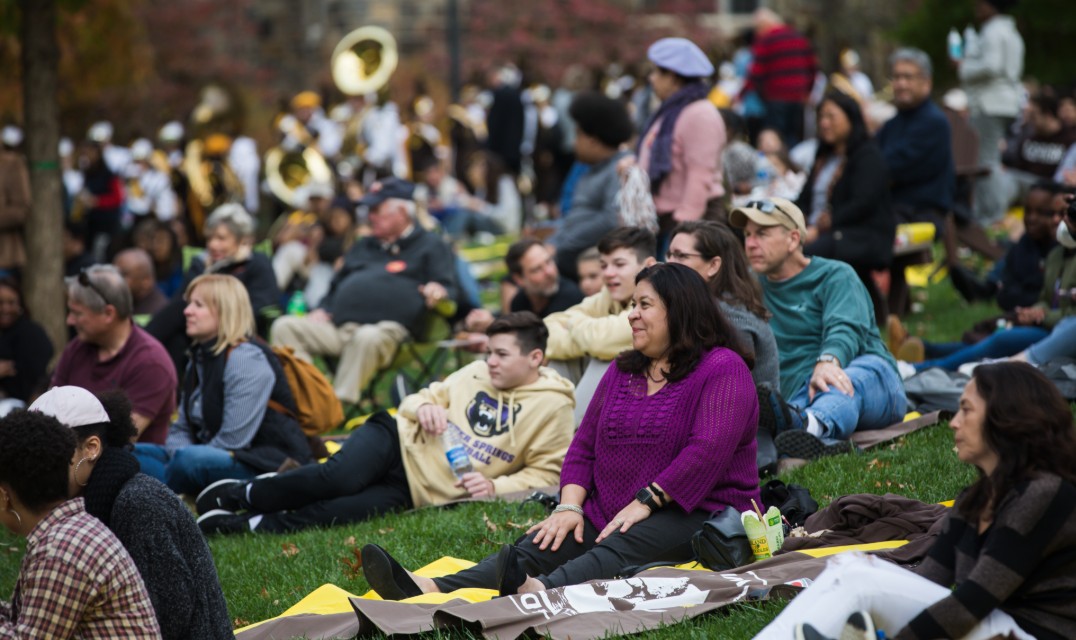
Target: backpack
<point>318,408</point>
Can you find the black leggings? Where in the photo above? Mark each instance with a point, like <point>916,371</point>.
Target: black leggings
<point>365,478</point>
<point>663,537</point>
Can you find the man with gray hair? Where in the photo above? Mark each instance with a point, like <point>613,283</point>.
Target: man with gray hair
<point>111,352</point>
<point>916,143</point>
<point>380,296</point>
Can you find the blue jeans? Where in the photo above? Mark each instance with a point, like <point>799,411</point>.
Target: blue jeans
<point>878,400</point>
<point>1061,343</point>
<point>998,345</point>
<point>192,468</point>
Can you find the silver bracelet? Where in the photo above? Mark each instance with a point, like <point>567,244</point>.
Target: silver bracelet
<point>561,508</point>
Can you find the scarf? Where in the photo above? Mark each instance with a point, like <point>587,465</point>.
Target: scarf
<point>668,113</point>
<point>112,471</point>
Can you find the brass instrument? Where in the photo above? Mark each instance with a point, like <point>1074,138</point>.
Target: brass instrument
<point>286,171</point>
<point>364,60</point>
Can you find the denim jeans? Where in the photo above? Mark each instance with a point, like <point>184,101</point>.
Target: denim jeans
<point>878,400</point>
<point>1061,343</point>
<point>998,345</point>
<point>192,468</point>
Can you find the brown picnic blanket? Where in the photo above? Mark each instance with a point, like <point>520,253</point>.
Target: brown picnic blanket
<point>592,610</point>
<point>875,437</point>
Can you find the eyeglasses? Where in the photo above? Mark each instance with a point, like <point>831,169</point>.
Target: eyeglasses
<point>84,280</point>
<point>680,255</point>
<point>768,207</point>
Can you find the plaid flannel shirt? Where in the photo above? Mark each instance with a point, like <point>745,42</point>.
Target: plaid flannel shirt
<point>77,580</point>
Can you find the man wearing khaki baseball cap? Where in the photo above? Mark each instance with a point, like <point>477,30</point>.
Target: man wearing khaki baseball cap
<point>836,372</point>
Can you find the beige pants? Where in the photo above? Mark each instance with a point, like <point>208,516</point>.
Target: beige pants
<point>363,349</point>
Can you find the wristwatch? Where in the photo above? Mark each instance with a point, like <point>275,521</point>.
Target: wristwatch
<point>829,358</point>
<point>646,497</point>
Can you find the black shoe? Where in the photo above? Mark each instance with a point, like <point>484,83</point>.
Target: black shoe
<point>510,576</point>
<point>800,444</point>
<point>386,576</point>
<point>229,495</point>
<point>805,631</point>
<point>221,521</point>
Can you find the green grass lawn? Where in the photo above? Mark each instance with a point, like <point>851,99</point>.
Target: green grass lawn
<point>264,575</point>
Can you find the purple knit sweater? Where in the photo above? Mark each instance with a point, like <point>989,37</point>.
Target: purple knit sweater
<point>695,438</point>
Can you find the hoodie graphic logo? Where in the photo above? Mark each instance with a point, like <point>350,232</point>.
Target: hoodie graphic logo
<point>482,415</point>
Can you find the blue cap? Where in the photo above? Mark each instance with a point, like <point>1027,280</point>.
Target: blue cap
<point>388,189</point>
<point>681,56</point>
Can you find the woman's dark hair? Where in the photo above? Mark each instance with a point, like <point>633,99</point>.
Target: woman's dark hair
<point>734,282</point>
<point>35,457</point>
<point>1028,424</point>
<point>119,430</point>
<point>857,136</point>
<point>696,325</point>
<point>13,284</point>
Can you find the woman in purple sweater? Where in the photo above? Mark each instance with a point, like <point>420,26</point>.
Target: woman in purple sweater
<point>668,438</point>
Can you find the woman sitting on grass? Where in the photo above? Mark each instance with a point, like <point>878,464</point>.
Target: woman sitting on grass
<point>76,580</point>
<point>668,438</point>
<point>234,400</point>
<point>1007,548</point>
<point>156,529</point>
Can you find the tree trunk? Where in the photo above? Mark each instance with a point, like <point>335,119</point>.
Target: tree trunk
<point>43,273</point>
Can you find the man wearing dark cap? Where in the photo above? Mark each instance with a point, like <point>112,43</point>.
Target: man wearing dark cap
<point>836,372</point>
<point>379,297</point>
<point>602,125</point>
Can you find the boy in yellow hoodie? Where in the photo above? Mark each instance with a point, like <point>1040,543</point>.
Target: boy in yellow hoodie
<point>584,339</point>
<point>513,416</point>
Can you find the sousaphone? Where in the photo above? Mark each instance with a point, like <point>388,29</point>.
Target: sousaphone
<point>364,60</point>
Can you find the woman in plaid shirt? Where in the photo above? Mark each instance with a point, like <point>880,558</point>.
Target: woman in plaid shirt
<point>76,580</point>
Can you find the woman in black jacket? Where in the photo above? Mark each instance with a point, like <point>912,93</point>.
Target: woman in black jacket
<point>846,198</point>
<point>25,349</point>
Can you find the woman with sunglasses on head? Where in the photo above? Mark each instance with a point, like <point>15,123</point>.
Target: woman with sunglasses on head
<point>25,350</point>
<point>1004,564</point>
<point>668,438</point>
<point>76,579</point>
<point>846,197</point>
<point>156,529</point>
<point>680,147</point>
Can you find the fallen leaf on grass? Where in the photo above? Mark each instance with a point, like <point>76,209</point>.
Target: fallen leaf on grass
<point>239,623</point>
<point>264,593</point>
<point>353,567</point>
<point>514,525</point>
<point>289,549</point>
<point>489,523</point>
<point>350,541</point>
<point>382,532</point>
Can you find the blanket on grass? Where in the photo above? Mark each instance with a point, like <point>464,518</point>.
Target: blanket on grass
<point>651,599</point>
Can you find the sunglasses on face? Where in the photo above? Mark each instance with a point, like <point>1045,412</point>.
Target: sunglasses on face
<point>84,280</point>
<point>769,207</point>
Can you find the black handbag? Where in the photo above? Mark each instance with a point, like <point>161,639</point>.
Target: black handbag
<point>722,542</point>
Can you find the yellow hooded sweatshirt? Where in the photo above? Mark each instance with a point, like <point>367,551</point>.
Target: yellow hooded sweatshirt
<point>597,327</point>
<point>515,437</point>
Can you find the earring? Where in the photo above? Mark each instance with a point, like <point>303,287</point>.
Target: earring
<point>75,474</point>
<point>11,509</point>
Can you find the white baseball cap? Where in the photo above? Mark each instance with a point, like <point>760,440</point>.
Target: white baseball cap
<point>72,406</point>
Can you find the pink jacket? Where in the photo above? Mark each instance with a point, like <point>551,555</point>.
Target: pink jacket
<point>698,140</point>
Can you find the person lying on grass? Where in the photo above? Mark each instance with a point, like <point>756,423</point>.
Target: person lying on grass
<point>513,416</point>
<point>1007,547</point>
<point>668,438</point>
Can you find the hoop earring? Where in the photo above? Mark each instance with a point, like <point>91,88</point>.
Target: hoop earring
<point>75,474</point>
<point>17,516</point>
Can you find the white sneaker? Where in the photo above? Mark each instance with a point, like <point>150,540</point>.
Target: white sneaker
<point>969,367</point>
<point>905,369</point>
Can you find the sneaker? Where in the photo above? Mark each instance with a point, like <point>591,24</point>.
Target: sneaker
<point>229,495</point>
<point>221,521</point>
<point>859,626</point>
<point>906,369</point>
<point>785,416</point>
<point>968,368</point>
<point>805,631</point>
<point>800,444</point>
